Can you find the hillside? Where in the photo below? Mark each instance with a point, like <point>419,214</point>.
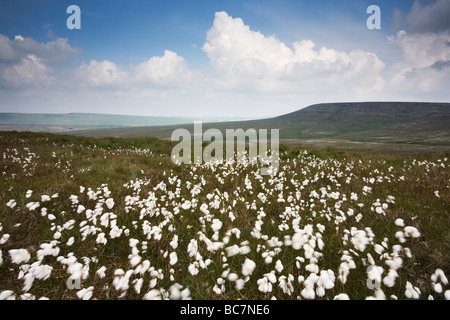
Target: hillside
<point>347,125</point>
<point>377,119</point>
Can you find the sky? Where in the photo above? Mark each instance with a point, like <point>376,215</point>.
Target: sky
<point>254,59</point>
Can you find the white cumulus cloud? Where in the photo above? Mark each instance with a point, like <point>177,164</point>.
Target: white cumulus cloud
<point>25,63</point>
<point>102,74</point>
<point>53,52</point>
<point>250,59</point>
<point>168,69</point>
<point>425,64</point>
<point>30,71</point>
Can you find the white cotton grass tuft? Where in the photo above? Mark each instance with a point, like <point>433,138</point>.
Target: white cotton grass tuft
<point>232,250</point>
<point>101,238</point>
<point>439,275</point>
<point>359,239</point>
<point>101,272</point>
<point>11,203</point>
<point>216,225</point>
<point>341,296</point>
<point>389,280</point>
<point>138,285</point>
<point>42,272</point>
<point>245,249</point>
<point>248,267</point>
<point>412,292</point>
<point>7,295</point>
<point>239,284</point>
<point>379,249</point>
<point>447,295</point>
<point>70,242</point>
<point>312,266</point>
<point>265,283</point>
<point>437,287</point>
<point>233,277</point>
<point>374,275</point>
<point>153,295</point>
<point>135,260</point>
<point>109,203</point>
<point>174,242</point>
<point>27,296</point>
<point>28,281</point>
<point>379,295</point>
<point>326,279</point>
<point>285,283</point>
<point>395,263</point>
<point>19,256</point>
<point>85,294</point>
<point>115,232</point>
<point>298,240</point>
<point>412,232</point>
<point>279,266</point>
<point>4,238</point>
<point>175,291</point>
<point>33,205</point>
<point>308,291</point>
<point>400,236</point>
<point>193,268</point>
<point>173,258</point>
<point>121,279</point>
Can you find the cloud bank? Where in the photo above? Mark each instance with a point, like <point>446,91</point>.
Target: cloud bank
<point>246,58</point>
<point>52,53</point>
<point>434,17</point>
<point>425,65</point>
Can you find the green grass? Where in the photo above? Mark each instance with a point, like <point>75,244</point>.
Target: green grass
<point>61,164</point>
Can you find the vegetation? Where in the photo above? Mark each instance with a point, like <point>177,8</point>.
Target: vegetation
<point>369,126</point>
<point>113,218</point>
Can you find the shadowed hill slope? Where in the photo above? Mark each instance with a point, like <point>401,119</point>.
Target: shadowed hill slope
<point>374,122</point>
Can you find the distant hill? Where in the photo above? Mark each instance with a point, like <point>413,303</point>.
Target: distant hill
<point>374,121</point>
<point>87,121</point>
<point>74,121</point>
<point>399,124</point>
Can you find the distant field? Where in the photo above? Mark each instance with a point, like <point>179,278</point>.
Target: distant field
<point>41,122</point>
<point>114,218</point>
<point>369,126</point>
<point>405,127</point>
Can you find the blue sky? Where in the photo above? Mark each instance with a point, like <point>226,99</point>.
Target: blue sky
<point>183,58</point>
<point>126,30</point>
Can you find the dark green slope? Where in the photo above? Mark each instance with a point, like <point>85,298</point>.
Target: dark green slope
<point>369,120</point>
<point>374,122</point>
